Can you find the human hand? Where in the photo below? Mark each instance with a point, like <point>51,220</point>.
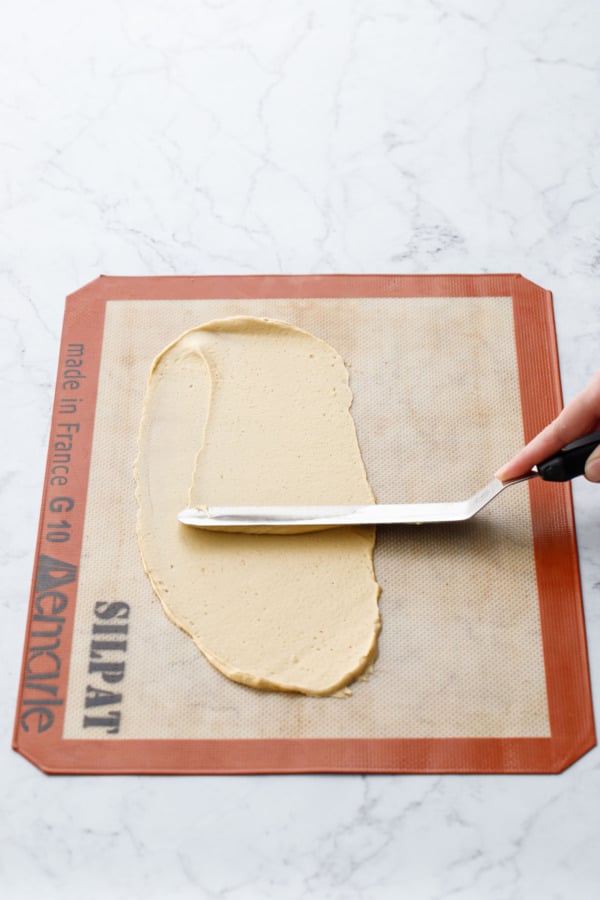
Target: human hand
<point>580,417</point>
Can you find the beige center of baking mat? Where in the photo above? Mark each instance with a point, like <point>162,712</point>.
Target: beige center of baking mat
<point>437,409</point>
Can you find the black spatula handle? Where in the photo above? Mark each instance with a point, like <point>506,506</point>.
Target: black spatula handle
<point>570,461</point>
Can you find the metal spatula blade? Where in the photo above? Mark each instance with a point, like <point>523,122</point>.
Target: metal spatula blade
<point>245,517</point>
<point>563,466</point>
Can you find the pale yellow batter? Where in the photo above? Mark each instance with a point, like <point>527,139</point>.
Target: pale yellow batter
<point>246,411</point>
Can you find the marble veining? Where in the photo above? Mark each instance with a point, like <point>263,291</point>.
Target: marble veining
<point>271,136</point>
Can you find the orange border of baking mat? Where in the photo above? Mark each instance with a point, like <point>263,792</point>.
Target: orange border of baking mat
<point>40,713</point>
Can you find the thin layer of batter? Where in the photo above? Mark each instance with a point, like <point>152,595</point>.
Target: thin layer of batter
<point>253,411</point>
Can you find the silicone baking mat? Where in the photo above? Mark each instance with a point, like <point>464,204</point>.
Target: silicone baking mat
<point>482,663</point>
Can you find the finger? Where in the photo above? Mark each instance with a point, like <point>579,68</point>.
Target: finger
<point>579,417</point>
<point>542,446</point>
<point>592,466</point>
<point>549,441</point>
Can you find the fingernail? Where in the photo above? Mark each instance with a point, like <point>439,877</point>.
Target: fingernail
<point>592,469</point>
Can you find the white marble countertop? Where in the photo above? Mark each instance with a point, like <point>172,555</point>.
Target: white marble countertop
<point>271,136</point>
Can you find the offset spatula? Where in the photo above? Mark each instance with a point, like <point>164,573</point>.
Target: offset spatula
<point>563,466</point>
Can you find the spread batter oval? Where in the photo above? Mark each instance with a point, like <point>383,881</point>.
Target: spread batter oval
<point>246,411</point>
